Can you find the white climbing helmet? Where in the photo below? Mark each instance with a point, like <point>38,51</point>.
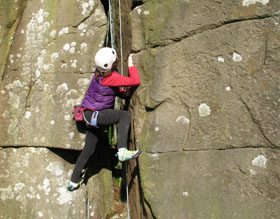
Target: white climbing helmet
<point>104,59</point>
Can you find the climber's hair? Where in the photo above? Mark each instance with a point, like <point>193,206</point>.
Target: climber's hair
<point>102,74</point>
<point>105,74</point>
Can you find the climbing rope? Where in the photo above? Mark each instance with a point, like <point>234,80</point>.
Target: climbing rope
<point>113,137</point>
<point>111,25</point>
<point>117,106</point>
<point>121,50</point>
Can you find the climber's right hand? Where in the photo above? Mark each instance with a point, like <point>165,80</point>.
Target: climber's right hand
<point>130,61</point>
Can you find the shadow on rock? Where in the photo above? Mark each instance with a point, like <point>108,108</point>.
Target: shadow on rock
<point>103,157</point>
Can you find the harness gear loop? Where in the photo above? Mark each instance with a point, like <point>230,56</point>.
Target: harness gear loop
<point>93,119</point>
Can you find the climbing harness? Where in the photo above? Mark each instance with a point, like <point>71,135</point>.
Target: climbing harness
<point>113,130</point>
<point>93,119</point>
<point>78,112</point>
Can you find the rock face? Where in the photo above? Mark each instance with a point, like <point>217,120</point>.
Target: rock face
<point>46,57</point>
<point>32,194</point>
<point>47,71</point>
<point>34,185</point>
<point>207,112</point>
<point>206,115</point>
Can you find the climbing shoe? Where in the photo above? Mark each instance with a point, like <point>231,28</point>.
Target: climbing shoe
<point>125,154</point>
<point>74,186</point>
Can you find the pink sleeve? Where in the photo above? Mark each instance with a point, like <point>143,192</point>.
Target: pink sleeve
<point>117,80</point>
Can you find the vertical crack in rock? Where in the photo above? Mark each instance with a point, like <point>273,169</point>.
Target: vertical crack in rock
<point>150,208</point>
<point>13,26</point>
<point>26,104</point>
<point>144,201</point>
<point>255,121</point>
<point>136,199</point>
<point>31,84</point>
<point>12,29</point>
<point>265,49</point>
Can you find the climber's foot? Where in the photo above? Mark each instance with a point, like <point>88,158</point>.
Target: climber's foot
<point>125,154</point>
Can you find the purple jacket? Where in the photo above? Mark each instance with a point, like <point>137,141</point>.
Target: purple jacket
<point>98,97</point>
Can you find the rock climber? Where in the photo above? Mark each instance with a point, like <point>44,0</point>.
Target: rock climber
<point>98,109</point>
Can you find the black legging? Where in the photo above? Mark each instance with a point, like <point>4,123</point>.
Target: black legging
<point>105,117</point>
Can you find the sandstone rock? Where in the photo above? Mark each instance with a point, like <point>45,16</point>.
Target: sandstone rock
<point>46,59</point>
<point>166,21</point>
<point>238,183</point>
<point>206,115</point>
<point>48,70</point>
<point>207,107</point>
<point>195,79</point>
<point>34,185</point>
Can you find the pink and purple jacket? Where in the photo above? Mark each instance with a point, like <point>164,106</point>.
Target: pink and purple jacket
<point>101,95</point>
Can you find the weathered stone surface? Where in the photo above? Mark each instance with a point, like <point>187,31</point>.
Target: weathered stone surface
<point>52,49</point>
<point>46,57</point>
<point>166,21</point>
<point>10,14</point>
<point>191,83</point>
<point>34,185</point>
<point>207,107</point>
<point>206,114</point>
<point>237,183</point>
